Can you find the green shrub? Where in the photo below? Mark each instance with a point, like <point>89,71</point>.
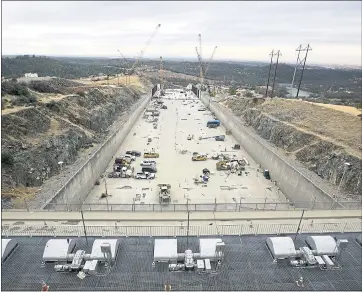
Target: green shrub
<point>7,159</point>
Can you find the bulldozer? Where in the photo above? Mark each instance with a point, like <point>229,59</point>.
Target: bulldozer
<point>164,193</point>
<point>223,165</point>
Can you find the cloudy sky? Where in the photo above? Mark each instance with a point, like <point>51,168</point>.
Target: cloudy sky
<point>241,30</point>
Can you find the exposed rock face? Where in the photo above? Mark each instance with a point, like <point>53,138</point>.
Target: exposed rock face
<point>39,138</point>
<point>326,157</point>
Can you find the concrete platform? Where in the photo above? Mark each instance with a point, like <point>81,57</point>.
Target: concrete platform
<point>169,139</point>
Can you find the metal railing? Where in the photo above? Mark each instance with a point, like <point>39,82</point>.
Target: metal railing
<point>180,230</point>
<point>207,207</point>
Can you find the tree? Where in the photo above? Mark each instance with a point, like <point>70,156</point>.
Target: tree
<point>232,90</point>
<point>282,91</point>
<point>249,94</point>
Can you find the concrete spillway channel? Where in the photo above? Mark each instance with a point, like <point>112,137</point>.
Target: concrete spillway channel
<point>175,124</point>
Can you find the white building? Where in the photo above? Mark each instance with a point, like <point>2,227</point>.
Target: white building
<point>31,75</point>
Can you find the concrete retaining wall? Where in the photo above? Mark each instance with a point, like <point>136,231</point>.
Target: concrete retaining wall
<point>78,187</point>
<point>297,188</point>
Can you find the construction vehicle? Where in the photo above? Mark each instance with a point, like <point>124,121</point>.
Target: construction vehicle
<point>199,157</point>
<point>223,165</point>
<point>145,175</point>
<point>150,168</point>
<point>217,138</point>
<point>151,155</point>
<point>164,193</point>
<point>213,124</point>
<point>236,147</point>
<point>266,174</point>
<point>220,138</point>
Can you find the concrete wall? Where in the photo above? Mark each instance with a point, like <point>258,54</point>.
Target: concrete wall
<point>77,188</point>
<point>297,188</point>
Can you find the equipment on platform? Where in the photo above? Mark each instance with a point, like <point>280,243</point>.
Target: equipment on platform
<point>211,250</point>
<point>321,251</point>
<point>104,252</point>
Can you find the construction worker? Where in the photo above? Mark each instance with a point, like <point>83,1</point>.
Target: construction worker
<point>300,282</point>
<point>44,286</point>
<point>167,287</point>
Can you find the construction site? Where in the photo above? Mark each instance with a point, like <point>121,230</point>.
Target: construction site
<point>180,193</point>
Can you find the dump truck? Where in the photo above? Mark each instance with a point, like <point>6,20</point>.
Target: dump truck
<point>164,193</point>
<point>199,157</point>
<point>151,155</point>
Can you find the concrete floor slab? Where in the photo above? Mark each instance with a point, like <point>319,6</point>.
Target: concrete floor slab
<point>181,119</point>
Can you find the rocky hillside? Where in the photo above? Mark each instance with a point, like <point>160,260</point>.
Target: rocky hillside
<point>58,127</point>
<point>321,138</point>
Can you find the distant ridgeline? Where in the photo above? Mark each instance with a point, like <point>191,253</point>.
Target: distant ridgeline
<point>326,84</point>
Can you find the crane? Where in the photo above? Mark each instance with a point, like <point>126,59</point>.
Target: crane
<point>200,60</point>
<point>208,66</point>
<point>144,49</point>
<point>161,77</point>
<point>210,60</point>
<point>202,69</point>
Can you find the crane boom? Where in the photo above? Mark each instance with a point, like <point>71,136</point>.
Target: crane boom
<point>201,71</point>
<point>210,60</point>
<point>161,75</point>
<point>145,47</point>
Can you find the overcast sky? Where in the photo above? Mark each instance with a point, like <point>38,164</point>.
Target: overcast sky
<point>241,30</point>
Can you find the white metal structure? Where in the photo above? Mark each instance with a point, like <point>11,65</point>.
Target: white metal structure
<point>58,249</point>
<point>97,248</point>
<point>7,247</point>
<point>281,247</point>
<point>322,244</point>
<point>165,250</point>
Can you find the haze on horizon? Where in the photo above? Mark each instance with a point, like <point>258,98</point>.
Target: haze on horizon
<point>241,30</point>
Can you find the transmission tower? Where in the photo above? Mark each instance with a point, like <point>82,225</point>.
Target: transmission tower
<point>278,54</point>
<point>270,66</point>
<point>300,62</point>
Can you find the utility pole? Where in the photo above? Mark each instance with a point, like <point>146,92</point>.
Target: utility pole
<point>270,66</point>
<point>300,222</point>
<point>307,49</point>
<point>275,72</point>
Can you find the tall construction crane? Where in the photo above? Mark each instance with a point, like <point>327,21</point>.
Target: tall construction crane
<point>200,61</point>
<point>202,69</point>
<point>144,49</point>
<point>161,77</point>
